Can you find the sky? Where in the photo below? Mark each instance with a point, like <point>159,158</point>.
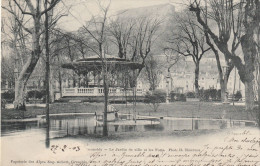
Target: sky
<point>82,10</point>
<point>79,11</point>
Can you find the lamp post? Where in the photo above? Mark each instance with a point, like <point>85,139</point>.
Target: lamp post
<point>167,87</point>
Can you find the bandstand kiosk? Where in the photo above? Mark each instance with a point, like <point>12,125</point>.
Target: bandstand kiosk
<point>117,70</point>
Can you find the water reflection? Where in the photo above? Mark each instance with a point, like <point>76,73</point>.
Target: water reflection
<point>17,126</point>
<point>47,139</point>
<point>196,125</point>
<point>116,127</point>
<point>61,126</point>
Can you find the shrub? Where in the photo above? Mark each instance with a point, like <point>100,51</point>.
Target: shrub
<point>3,103</point>
<point>209,94</point>
<point>212,94</point>
<point>154,98</point>
<point>182,97</point>
<point>190,94</point>
<point>177,97</point>
<point>36,94</point>
<point>218,95</point>
<point>8,96</point>
<point>238,95</point>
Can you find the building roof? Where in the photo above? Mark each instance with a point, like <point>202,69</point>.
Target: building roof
<point>94,63</point>
<point>97,58</point>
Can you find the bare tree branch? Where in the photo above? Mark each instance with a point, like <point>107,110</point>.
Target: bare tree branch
<point>53,3</point>
<point>23,12</point>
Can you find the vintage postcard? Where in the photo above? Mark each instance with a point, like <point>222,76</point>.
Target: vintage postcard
<point>130,83</point>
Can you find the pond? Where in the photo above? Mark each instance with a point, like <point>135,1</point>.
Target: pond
<point>78,125</point>
<point>32,141</point>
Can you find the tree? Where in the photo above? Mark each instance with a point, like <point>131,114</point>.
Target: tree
<point>223,13</point>
<point>223,78</point>
<point>13,46</point>
<point>47,67</point>
<point>7,72</point>
<point>71,53</point>
<point>258,72</point>
<point>154,99</point>
<point>251,23</point>
<point>223,74</point>
<point>171,60</point>
<point>134,39</point>
<point>142,37</point>
<point>35,13</point>
<point>189,40</point>
<point>152,72</point>
<point>59,55</point>
<point>121,31</point>
<point>97,30</point>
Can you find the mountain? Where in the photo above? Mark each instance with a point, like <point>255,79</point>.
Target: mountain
<point>163,13</point>
<point>160,11</point>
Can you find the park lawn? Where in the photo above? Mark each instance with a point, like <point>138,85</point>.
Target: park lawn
<point>175,109</point>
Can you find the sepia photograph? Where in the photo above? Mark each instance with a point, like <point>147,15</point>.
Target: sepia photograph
<point>130,83</point>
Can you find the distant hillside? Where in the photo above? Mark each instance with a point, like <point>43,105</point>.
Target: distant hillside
<point>160,11</point>
<point>163,12</point>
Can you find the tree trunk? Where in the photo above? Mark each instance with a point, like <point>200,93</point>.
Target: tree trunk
<point>74,81</point>
<point>223,86</point>
<point>47,137</point>
<point>125,88</point>
<point>224,92</point>
<point>60,82</point>
<point>249,95</point>
<point>222,82</point>
<point>47,72</point>
<point>52,97</point>
<point>79,79</point>
<point>197,72</point>
<point>105,130</point>
<point>249,50</point>
<point>223,89</point>
<point>258,72</point>
<point>19,102</point>
<point>258,84</point>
